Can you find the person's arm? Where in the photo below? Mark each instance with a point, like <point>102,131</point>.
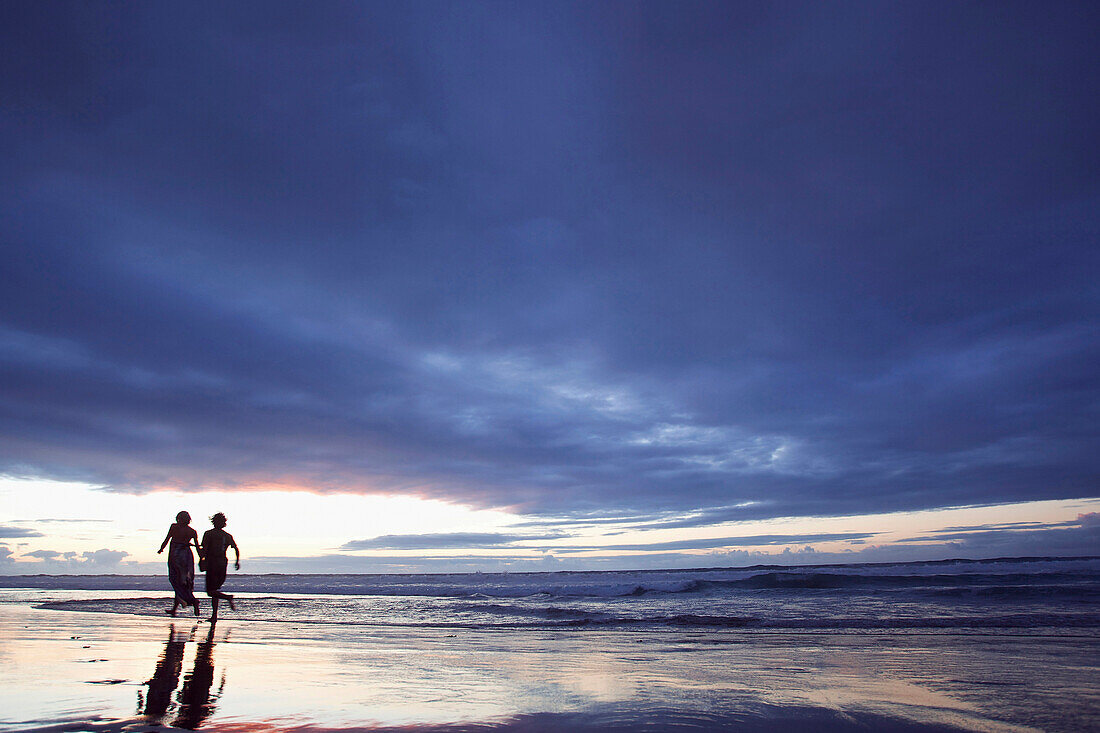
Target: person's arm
<point>233,544</point>
<point>166,538</point>
<point>195,537</point>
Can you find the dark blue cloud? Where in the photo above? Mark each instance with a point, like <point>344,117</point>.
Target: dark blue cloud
<point>54,561</point>
<point>758,540</point>
<point>43,554</point>
<point>495,539</point>
<point>1075,537</point>
<point>14,532</point>
<point>1009,526</point>
<point>687,264</point>
<point>52,520</point>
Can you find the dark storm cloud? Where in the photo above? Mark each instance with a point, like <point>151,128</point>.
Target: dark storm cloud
<point>690,263</point>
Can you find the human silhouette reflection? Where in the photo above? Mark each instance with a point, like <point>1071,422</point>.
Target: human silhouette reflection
<point>165,677</point>
<point>196,701</point>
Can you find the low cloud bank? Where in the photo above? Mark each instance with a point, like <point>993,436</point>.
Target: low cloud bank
<point>55,562</point>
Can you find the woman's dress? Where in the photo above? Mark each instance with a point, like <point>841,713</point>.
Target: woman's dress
<point>181,572</point>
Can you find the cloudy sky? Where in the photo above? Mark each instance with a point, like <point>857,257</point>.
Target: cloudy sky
<point>525,285</point>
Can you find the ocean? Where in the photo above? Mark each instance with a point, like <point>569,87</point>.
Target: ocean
<point>993,645</point>
<point>1036,595</point>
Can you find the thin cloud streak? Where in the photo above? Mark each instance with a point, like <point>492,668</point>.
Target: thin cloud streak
<point>461,540</point>
<point>7,532</point>
<point>470,540</point>
<point>722,542</point>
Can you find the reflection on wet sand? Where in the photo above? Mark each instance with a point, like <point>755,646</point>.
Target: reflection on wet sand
<point>322,678</point>
<point>195,703</point>
<point>165,677</point>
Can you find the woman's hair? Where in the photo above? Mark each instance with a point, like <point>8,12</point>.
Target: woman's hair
<point>218,520</point>
<point>183,517</point>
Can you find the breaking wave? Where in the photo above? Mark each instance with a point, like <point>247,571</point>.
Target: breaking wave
<point>274,609</point>
<point>1030,594</point>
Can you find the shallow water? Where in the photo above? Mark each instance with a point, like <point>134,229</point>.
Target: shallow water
<point>1034,595</point>
<point>967,646</point>
<point>103,669</point>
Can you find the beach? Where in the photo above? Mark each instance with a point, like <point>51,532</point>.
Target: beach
<point>67,666</point>
<point>70,671</point>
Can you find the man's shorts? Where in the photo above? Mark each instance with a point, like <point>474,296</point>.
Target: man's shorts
<point>215,574</point>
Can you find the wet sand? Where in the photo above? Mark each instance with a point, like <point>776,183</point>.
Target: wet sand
<point>73,671</point>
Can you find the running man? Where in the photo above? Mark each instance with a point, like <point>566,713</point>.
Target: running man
<point>215,544</point>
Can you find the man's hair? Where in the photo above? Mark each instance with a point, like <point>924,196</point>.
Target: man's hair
<point>218,520</point>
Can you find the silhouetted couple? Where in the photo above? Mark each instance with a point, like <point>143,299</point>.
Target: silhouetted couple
<point>212,559</point>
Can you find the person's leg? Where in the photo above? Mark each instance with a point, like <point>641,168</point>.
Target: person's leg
<point>181,571</point>
<point>175,577</point>
<point>214,614</point>
<point>215,576</point>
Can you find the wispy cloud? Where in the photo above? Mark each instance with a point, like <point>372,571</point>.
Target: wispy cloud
<point>1076,537</point>
<point>444,541</point>
<point>61,521</point>
<point>722,542</point>
<point>9,532</point>
<point>462,540</point>
<point>1009,526</point>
